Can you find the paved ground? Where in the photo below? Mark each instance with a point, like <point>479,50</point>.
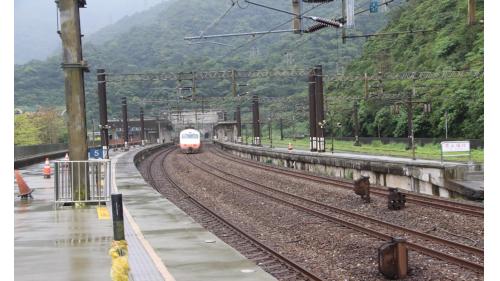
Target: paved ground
<point>72,244</point>
<point>57,244</point>
<point>185,247</point>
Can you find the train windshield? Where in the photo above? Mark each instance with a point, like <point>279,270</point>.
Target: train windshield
<point>189,136</point>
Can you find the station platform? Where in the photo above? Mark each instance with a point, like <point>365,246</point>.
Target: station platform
<point>419,175</point>
<point>67,243</point>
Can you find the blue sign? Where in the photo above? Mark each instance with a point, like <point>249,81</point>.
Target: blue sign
<point>96,153</point>
<point>373,6</point>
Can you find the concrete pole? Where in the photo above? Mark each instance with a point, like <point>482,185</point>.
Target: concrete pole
<point>103,111</point>
<point>141,116</point>
<point>233,82</point>
<point>446,125</point>
<point>471,12</point>
<point>125,122</point>
<point>297,20</point>
<point>256,120</point>
<point>356,123</point>
<point>411,144</point>
<point>320,111</point>
<point>344,16</point>
<point>238,123</point>
<point>281,128</point>
<point>73,67</point>
<point>312,112</point>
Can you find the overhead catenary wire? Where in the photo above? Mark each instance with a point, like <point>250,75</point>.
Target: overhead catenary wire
<point>274,28</point>
<point>214,23</point>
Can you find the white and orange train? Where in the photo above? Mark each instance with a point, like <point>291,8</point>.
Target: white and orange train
<point>190,141</point>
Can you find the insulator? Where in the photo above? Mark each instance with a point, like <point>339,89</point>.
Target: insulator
<point>315,27</point>
<point>332,23</point>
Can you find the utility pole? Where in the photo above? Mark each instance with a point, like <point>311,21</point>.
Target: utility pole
<point>471,12</point>
<point>446,124</point>
<point>333,136</point>
<point>233,82</point>
<point>411,141</point>
<point>256,120</point>
<point>93,134</point>
<point>271,129</point>
<point>281,128</point>
<point>312,112</point>
<point>320,111</point>
<point>238,124</point>
<point>141,116</point>
<point>344,16</point>
<point>124,123</point>
<point>103,111</point>
<point>297,20</point>
<point>73,66</point>
<point>356,123</point>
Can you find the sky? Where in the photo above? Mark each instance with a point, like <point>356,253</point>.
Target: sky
<point>35,23</point>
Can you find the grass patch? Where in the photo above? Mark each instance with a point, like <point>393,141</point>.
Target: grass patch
<point>430,151</point>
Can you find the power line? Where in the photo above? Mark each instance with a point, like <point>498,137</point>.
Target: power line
<point>218,19</point>
<point>274,28</point>
<point>388,33</point>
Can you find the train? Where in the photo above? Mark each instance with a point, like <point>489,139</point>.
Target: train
<point>190,141</point>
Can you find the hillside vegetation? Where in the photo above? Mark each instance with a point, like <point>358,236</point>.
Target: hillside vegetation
<point>153,42</point>
<point>451,45</point>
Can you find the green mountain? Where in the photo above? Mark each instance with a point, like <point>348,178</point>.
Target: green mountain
<point>153,42</point>
<point>449,45</point>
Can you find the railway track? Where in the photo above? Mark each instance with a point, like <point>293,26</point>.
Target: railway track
<point>271,261</point>
<point>462,255</point>
<point>448,205</point>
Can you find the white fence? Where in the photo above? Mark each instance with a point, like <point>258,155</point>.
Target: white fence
<point>82,181</point>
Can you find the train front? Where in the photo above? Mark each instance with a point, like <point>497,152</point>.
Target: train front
<point>190,141</point>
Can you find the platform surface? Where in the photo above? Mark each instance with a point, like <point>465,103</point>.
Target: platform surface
<point>69,243</point>
<point>179,241</point>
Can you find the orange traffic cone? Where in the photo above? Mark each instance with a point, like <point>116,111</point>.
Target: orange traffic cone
<point>46,169</point>
<point>24,190</point>
<point>290,146</point>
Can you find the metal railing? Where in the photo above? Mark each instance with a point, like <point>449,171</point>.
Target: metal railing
<point>82,181</point>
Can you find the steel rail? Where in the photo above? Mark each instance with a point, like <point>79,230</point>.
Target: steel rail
<point>414,198</point>
<point>301,272</point>
<point>428,251</point>
<point>463,247</point>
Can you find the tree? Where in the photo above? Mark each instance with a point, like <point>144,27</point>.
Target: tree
<point>25,130</point>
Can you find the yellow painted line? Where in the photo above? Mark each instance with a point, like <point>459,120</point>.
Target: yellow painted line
<point>160,266</point>
<point>103,213</point>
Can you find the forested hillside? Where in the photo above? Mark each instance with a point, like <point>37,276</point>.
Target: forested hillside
<point>153,42</point>
<point>450,45</point>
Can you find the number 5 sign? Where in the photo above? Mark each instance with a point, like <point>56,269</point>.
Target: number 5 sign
<point>96,153</point>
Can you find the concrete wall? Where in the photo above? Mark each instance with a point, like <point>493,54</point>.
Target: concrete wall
<point>422,178</point>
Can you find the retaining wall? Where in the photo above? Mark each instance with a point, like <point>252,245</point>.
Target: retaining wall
<point>422,177</point>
